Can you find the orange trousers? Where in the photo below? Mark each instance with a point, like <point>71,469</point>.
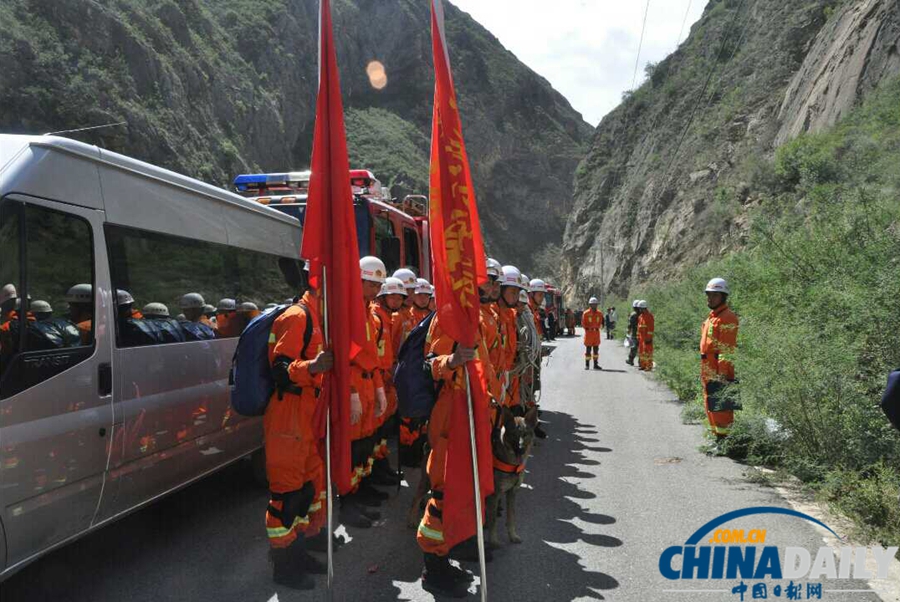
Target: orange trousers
<point>719,422</point>
<point>430,536</point>
<point>645,355</point>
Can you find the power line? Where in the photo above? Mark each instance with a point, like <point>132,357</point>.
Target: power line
<point>93,127</point>
<point>637,59</point>
<point>683,23</point>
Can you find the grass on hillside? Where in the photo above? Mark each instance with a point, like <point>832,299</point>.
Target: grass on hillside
<point>818,294</point>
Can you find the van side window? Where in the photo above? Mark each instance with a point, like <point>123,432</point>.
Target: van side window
<point>174,290</point>
<point>49,309</point>
<point>411,242</point>
<point>10,279</point>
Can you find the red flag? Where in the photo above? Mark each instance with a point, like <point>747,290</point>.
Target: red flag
<point>329,243</point>
<point>459,268</point>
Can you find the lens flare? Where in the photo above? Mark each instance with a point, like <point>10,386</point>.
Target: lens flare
<point>377,75</point>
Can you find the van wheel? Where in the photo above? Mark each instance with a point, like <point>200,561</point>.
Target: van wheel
<point>258,467</point>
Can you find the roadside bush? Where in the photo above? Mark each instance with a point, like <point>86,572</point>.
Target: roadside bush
<point>818,293</point>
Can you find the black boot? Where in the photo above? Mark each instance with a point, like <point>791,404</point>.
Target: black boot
<point>367,493</point>
<point>285,571</point>
<point>302,560</point>
<point>319,543</point>
<point>351,514</point>
<point>539,432</point>
<point>587,364</point>
<point>439,579</point>
<point>597,366</point>
<point>467,551</point>
<point>383,474</point>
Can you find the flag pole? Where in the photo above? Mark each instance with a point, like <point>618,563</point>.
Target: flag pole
<point>476,481</point>
<point>329,590</point>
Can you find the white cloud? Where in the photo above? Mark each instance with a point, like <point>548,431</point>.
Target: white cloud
<point>586,48</point>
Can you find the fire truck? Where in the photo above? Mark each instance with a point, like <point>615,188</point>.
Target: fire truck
<point>396,232</point>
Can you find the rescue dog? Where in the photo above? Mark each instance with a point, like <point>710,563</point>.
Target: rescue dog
<point>511,442</point>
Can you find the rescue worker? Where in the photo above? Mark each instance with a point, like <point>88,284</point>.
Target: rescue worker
<point>209,312</point>
<point>611,319</point>
<point>294,467</point>
<point>390,300</point>
<point>8,298</point>
<point>489,294</point>
<point>570,323</point>
<point>446,362</point>
<point>226,318</point>
<point>537,289</point>
<point>421,300</point>
<point>195,324</point>
<point>368,401</point>
<point>511,285</point>
<point>645,326</point>
<point>632,332</point>
<point>412,430</point>
<point>42,311</point>
<point>132,328</point>
<point>168,329</point>
<point>718,340</point>
<point>592,322</point>
<point>81,309</point>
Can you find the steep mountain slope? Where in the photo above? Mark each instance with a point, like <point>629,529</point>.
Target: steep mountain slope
<point>672,171</point>
<point>215,87</point>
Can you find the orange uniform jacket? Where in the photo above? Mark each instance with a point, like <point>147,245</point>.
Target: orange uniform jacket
<point>490,333</point>
<point>291,446</point>
<point>718,340</point>
<point>536,312</point>
<point>365,377</point>
<point>509,336</point>
<point>387,353</point>
<point>592,322</point>
<point>431,530</point>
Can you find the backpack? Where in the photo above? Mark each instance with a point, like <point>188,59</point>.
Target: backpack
<point>416,390</point>
<point>251,380</point>
<point>890,401</point>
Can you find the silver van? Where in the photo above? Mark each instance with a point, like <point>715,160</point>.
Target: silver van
<point>113,363</point>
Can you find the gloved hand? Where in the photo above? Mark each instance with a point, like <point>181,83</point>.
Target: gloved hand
<point>355,408</point>
<point>381,398</point>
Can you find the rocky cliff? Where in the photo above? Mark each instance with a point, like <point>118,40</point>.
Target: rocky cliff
<point>672,172</point>
<point>215,87</point>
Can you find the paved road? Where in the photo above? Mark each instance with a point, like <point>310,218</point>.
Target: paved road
<point>619,480</point>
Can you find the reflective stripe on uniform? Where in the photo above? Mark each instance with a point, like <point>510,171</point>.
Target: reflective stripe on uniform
<point>275,532</point>
<point>272,339</point>
<point>430,533</point>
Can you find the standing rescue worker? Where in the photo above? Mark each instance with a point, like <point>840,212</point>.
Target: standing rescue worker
<point>592,322</point>
<point>390,300</point>
<point>510,285</point>
<point>718,340</point>
<point>420,301</point>
<point>81,309</point>
<point>226,319</point>
<point>368,402</point>
<point>491,327</point>
<point>632,332</point>
<point>645,326</point>
<point>195,324</point>
<point>570,323</point>
<point>537,290</point>
<point>294,467</point>
<point>446,362</point>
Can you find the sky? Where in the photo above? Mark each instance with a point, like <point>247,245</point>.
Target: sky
<point>587,49</point>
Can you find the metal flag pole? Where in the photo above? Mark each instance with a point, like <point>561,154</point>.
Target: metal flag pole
<point>329,590</point>
<point>476,481</point>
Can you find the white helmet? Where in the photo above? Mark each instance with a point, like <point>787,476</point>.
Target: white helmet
<point>593,301</point>
<point>209,309</point>
<point>642,304</point>
<point>226,304</point>
<point>392,286</point>
<point>493,268</point>
<point>523,297</point>
<point>635,303</point>
<point>156,310</point>
<point>80,293</point>
<point>407,277</point>
<point>537,286</point>
<point>41,307</point>
<point>7,292</point>
<point>372,269</point>
<point>123,297</point>
<point>248,306</point>
<point>423,287</point>
<point>192,301</point>
<point>717,285</point>
<point>511,276</point>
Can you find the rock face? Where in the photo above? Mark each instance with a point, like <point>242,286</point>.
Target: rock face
<point>216,87</point>
<point>672,170</point>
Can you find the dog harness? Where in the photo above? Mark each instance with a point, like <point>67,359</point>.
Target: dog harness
<point>508,468</point>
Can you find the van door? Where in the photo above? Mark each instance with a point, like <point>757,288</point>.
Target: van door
<point>55,371</point>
